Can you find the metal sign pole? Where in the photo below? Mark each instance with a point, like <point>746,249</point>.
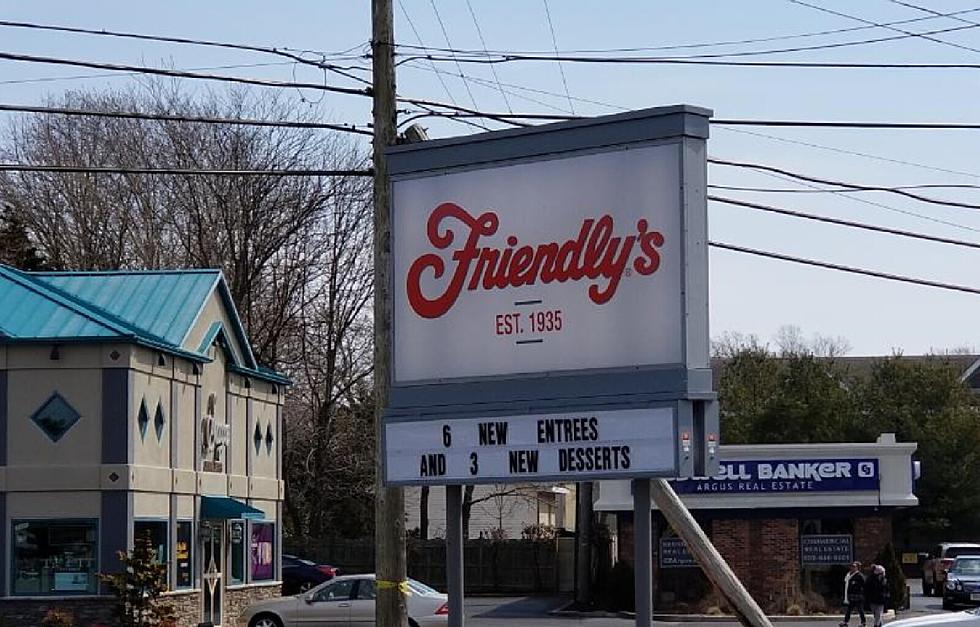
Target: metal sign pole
<point>643,551</point>
<point>454,554</point>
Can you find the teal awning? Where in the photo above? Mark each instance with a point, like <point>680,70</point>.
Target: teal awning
<point>227,508</point>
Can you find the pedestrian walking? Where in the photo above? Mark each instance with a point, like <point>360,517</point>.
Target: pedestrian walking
<point>854,594</point>
<point>876,592</point>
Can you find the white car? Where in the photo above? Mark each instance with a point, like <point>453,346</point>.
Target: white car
<point>969,618</point>
<point>346,601</point>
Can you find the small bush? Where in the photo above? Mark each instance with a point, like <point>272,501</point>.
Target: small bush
<point>58,618</point>
<point>617,596</point>
<point>794,610</point>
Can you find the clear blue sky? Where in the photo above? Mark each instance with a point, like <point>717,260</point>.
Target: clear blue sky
<point>749,295</point>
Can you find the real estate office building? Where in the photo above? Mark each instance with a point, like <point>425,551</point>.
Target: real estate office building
<point>131,404</point>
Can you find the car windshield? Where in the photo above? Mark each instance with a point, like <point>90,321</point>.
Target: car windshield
<point>421,588</point>
<point>956,551</point>
<point>969,566</point>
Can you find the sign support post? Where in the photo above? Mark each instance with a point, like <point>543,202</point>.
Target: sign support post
<point>454,554</point>
<point>643,551</point>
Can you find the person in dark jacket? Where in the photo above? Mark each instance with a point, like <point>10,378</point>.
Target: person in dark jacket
<point>854,594</point>
<point>876,592</point>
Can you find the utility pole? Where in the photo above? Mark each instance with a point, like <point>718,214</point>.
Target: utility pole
<point>389,505</point>
<point>583,543</point>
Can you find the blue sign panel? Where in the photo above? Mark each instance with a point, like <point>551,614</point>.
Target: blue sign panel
<point>674,554</point>
<point>826,550</point>
<point>782,476</point>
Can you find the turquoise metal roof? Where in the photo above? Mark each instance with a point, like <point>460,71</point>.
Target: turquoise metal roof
<point>153,308</point>
<point>161,304</point>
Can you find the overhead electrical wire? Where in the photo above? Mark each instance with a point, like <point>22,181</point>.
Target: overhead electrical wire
<point>554,41</point>
<point>483,42</point>
<point>925,36</point>
<point>178,40</point>
<point>445,33</point>
<point>841,222</point>
<point>135,115</point>
<point>853,186</point>
<point>843,268</point>
<point>73,169</point>
<point>418,36</point>
<point>715,44</point>
<point>878,205</point>
<point>772,190</point>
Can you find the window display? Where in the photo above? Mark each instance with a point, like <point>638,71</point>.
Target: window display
<point>53,557</point>
<point>262,551</point>
<point>236,544</point>
<point>184,555</point>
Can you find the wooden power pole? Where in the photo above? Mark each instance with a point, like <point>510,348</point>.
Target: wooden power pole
<point>389,507</point>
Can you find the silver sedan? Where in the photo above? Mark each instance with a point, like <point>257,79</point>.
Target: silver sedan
<point>970,618</point>
<point>346,601</point>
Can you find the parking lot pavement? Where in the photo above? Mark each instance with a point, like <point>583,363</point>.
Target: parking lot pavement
<point>534,612</point>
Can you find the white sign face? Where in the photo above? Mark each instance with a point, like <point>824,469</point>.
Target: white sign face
<point>532,448</point>
<point>557,265</point>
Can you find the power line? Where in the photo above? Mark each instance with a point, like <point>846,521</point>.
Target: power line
<point>483,42</point>
<point>842,268</point>
<point>71,169</point>
<point>134,115</point>
<point>892,28</point>
<point>77,77</point>
<point>554,42</point>
<point>511,58</point>
<point>772,190</point>
<point>715,44</point>
<point>873,203</point>
<point>445,33</point>
<point>855,186</point>
<point>419,38</point>
<point>180,73</point>
<point>855,153</point>
<point>848,124</point>
<point>841,222</point>
<point>166,39</point>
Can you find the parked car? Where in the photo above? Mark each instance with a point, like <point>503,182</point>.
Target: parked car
<point>300,575</point>
<point>940,560</point>
<point>347,600</point>
<point>962,582</point>
<point>969,618</point>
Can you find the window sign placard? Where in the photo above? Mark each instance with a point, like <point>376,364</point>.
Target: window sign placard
<point>674,554</point>
<point>532,448</point>
<point>826,550</point>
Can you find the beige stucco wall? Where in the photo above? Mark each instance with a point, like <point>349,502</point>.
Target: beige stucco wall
<point>241,437</point>
<point>213,311</point>
<point>53,505</point>
<point>151,505</point>
<point>187,426</point>
<point>264,461</point>
<point>149,449</point>
<point>268,507</point>
<point>29,389</point>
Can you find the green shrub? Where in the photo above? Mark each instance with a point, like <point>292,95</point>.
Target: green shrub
<point>895,576</point>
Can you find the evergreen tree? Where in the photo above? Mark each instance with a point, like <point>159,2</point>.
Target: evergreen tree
<point>16,248</point>
<point>138,587</point>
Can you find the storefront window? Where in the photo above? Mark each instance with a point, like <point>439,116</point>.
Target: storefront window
<point>184,555</point>
<point>157,532</point>
<point>261,552</point>
<point>53,557</point>
<point>236,543</point>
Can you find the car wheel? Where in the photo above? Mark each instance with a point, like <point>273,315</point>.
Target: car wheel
<point>947,604</point>
<point>412,623</point>
<point>265,620</point>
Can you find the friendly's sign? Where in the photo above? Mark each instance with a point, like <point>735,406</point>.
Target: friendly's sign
<point>549,304</point>
<point>556,265</point>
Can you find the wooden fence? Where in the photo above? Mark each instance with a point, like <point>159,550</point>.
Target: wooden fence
<point>502,567</point>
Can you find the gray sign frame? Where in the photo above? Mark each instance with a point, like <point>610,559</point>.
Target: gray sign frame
<point>688,383</point>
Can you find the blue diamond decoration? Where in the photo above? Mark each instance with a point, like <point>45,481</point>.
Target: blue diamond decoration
<point>56,417</point>
<point>159,421</point>
<point>143,419</point>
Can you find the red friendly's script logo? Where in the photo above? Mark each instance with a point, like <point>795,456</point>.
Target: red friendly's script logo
<point>595,254</point>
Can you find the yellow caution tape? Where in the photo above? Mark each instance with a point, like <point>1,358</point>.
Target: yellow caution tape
<point>388,585</point>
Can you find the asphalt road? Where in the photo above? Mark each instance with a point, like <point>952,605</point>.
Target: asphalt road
<point>533,612</point>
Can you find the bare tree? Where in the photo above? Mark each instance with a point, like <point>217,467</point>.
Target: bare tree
<point>295,251</point>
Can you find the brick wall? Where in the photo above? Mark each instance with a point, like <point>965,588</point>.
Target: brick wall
<point>765,555</point>
<point>187,606</point>
<point>88,612</point>
<point>240,597</point>
<point>871,534</point>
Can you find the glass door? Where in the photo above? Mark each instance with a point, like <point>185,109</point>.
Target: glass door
<point>213,567</point>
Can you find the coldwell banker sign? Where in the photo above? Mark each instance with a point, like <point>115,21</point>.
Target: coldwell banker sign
<point>824,475</point>
<point>549,292</point>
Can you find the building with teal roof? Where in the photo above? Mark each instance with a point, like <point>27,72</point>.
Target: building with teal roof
<point>132,405</point>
